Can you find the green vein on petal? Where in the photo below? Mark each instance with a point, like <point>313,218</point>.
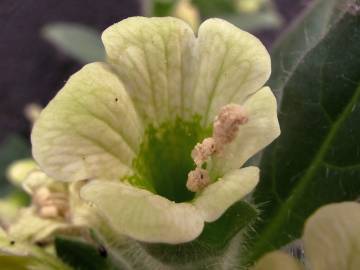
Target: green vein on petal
<point>89,129</point>
<point>232,64</point>
<point>143,215</point>
<point>153,57</point>
<point>215,199</point>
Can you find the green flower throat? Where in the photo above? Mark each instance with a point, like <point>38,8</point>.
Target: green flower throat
<point>164,159</point>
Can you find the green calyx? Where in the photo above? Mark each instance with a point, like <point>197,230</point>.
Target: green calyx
<point>164,159</point>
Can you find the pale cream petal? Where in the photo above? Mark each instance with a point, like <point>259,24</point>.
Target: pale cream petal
<point>143,215</point>
<point>277,261</point>
<point>260,130</point>
<point>216,198</point>
<point>89,129</point>
<point>29,227</point>
<point>19,170</point>
<point>232,64</point>
<point>153,57</point>
<point>332,237</point>
<point>37,179</point>
<point>8,212</point>
<point>19,255</point>
<point>82,214</point>
<point>7,246</point>
<point>86,216</point>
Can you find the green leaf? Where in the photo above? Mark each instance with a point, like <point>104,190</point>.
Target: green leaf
<point>300,38</point>
<point>316,159</point>
<point>78,41</point>
<point>213,242</point>
<point>83,256</point>
<point>12,148</point>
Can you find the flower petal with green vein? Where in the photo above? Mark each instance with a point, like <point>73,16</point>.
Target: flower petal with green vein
<point>154,58</point>
<point>143,215</point>
<point>81,134</point>
<point>232,64</point>
<point>167,68</point>
<point>215,199</point>
<point>138,118</point>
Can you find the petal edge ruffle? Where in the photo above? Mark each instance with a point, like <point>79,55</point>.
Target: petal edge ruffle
<point>216,198</point>
<point>90,129</point>
<point>143,215</point>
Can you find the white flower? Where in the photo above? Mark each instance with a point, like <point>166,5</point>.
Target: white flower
<point>129,126</point>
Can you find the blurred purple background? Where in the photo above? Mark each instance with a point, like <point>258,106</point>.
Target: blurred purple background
<point>32,70</point>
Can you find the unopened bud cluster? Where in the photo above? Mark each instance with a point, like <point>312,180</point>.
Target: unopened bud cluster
<point>50,204</point>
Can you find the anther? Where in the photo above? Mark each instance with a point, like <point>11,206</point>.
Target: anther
<point>197,180</point>
<point>202,151</point>
<point>227,124</point>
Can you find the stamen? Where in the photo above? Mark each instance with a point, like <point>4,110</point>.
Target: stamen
<point>227,124</point>
<point>202,151</point>
<point>198,179</point>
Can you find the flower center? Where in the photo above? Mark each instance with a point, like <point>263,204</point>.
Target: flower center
<point>164,160</point>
